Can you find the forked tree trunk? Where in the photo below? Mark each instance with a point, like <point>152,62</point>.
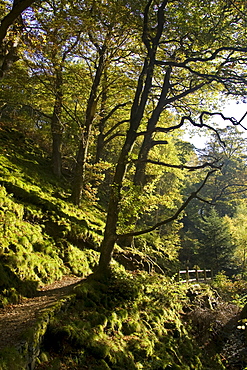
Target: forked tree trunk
<point>137,111</point>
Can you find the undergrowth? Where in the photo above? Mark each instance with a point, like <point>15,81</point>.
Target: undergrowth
<point>132,321</point>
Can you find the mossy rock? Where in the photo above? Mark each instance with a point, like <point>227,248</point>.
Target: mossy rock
<point>99,350</point>
<point>102,365</point>
<point>97,319</point>
<point>131,327</point>
<point>141,348</point>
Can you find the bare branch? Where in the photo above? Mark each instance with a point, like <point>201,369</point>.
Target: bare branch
<point>224,193</point>
<point>182,166</point>
<point>231,119</point>
<point>160,22</point>
<point>205,201</point>
<point>113,110</point>
<point>145,32</point>
<point>185,93</point>
<point>158,142</point>
<point>191,120</point>
<point>242,120</point>
<point>110,138</point>
<point>213,55</point>
<point>237,8</point>
<point>115,126</point>
<point>72,46</point>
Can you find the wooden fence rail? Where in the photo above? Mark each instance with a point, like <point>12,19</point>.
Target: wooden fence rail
<point>195,275</point>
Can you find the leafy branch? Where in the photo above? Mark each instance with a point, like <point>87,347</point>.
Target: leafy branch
<point>193,195</point>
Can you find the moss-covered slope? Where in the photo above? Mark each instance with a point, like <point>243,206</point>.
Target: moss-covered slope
<point>42,236</point>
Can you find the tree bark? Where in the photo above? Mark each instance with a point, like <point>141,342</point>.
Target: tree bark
<point>101,125</point>
<point>18,7</point>
<point>137,110</point>
<point>7,59</point>
<point>56,125</point>
<point>139,177</point>
<point>8,50</point>
<point>110,235</point>
<point>81,159</point>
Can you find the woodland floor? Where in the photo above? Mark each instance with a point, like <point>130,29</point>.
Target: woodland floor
<point>221,322</point>
<point>16,318</point>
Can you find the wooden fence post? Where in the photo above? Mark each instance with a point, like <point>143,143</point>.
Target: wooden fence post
<point>197,275</point>
<point>187,274</point>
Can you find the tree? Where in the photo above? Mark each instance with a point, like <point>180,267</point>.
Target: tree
<point>8,45</point>
<point>106,50</point>
<point>216,247</point>
<point>230,183</point>
<point>50,26</point>
<point>224,190</point>
<point>238,229</point>
<point>191,63</point>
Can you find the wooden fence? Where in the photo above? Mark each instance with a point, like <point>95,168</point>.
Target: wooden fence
<point>194,275</point>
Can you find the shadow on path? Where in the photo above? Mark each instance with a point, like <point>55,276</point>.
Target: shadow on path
<point>15,319</point>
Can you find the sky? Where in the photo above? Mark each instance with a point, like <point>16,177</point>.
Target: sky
<point>231,109</point>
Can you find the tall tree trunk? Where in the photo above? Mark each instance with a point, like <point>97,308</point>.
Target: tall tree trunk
<point>110,235</point>
<point>101,125</point>
<point>147,144</point>
<point>56,125</point>
<point>137,111</point>
<point>81,159</point>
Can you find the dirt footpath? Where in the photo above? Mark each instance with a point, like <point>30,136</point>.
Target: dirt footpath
<point>15,319</point>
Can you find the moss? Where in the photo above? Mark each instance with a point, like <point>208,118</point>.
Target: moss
<point>131,327</point>
<point>34,216</point>
<point>99,350</point>
<point>144,332</point>
<point>44,357</point>
<point>10,359</point>
<point>28,253</point>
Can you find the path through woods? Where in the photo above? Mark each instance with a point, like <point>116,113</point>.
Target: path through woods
<point>17,318</point>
